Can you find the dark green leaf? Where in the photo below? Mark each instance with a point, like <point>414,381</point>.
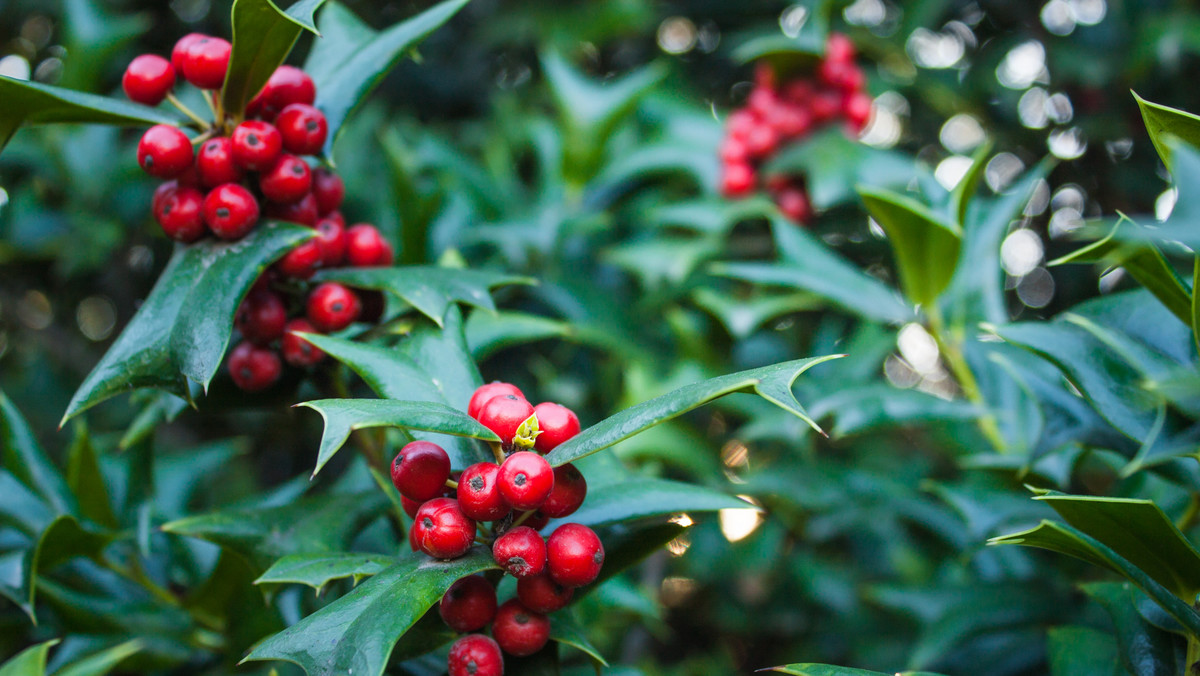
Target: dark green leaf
<point>87,482</point>
<point>926,245</point>
<point>23,456</point>
<point>317,569</point>
<point>34,103</point>
<point>565,631</point>
<point>1163,122</point>
<point>960,198</point>
<point>1145,650</point>
<point>742,317</point>
<point>102,662</point>
<point>1195,313</point>
<point>356,633</point>
<point>880,405</point>
<point>835,165</point>
<point>263,35</point>
<point>828,670</point>
<point>62,540</point>
<point>773,383</point>
<point>638,498</point>
<point>1181,226</point>
<point>1082,651</point>
<point>29,662</point>
<point>343,416</point>
<point>443,353</point>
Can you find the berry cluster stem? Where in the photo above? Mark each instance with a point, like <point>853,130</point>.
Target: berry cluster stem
<point>521,519</point>
<point>204,124</point>
<point>951,350</point>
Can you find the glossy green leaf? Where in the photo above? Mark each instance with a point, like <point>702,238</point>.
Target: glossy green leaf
<point>326,523</point>
<point>162,344</point>
<point>429,289</point>
<point>28,102</point>
<point>317,569</point>
<point>86,481</point>
<point>1163,122</point>
<point>835,165</point>
<point>343,416</point>
<point>876,406</point>
<point>1082,651</point>
<point>29,662</point>
<point>25,459</point>
<point>639,498</point>
<point>1195,308</point>
<point>104,661</point>
<point>829,670</point>
<point>353,68</point>
<point>773,383</point>
<point>1144,650</point>
<point>802,49</point>
<point>960,197</point>
<point>62,540</point>
<point>565,631</point>
<point>926,245</point>
<point>263,35</point>
<point>1183,225</point>
<point>742,317</point>
<point>356,633</point>
<point>443,353</point>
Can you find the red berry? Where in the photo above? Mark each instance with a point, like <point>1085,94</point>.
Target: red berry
<point>299,352</point>
<point>824,106</point>
<point>332,307</point>
<point>329,190</point>
<point>503,414</point>
<point>469,604</point>
<point>839,47</point>
<point>301,262</point>
<point>762,102</point>
<point>303,128</point>
<point>256,145</point>
<point>332,215</point>
<point>791,121</point>
<point>762,140</point>
<point>857,109</point>
<point>733,151</point>
<point>526,479</point>
<point>303,212</point>
<point>574,555</point>
<point>519,630</point>
<point>737,180</point>
<point>557,424</point>
<point>230,211</point>
<point>205,61</point>
<point>475,655</point>
<point>179,52</point>
<point>521,552</point>
<point>542,595</point>
<point>843,75</point>
<point>164,151</point>
<point>214,162</point>
<point>798,92</point>
<point>261,316</point>
<point>794,204</point>
<point>148,79</point>
<point>479,492</point>
<point>287,85</point>
<point>411,507</point>
<point>254,368</point>
<point>740,123</point>
<point>485,392</point>
<point>365,247</point>
<point>178,210</point>
<point>287,181</point>
<point>442,530</point>
<point>570,489</point>
<point>420,470</point>
<point>331,238</point>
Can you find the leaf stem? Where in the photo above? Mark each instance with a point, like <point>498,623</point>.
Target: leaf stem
<point>451,483</point>
<point>204,124</point>
<point>952,352</point>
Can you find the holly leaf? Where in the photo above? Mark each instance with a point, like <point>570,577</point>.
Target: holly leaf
<point>926,245</point>
<point>1163,122</point>
<point>834,164</point>
<point>639,498</point>
<point>263,35</point>
<point>317,569</point>
<point>25,459</point>
<point>29,662</point>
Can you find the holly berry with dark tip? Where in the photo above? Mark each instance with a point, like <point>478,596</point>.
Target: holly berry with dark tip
<point>256,145</point>
<point>365,247</point>
<point>420,470</point>
<point>331,239</point>
<point>469,604</point>
<point>504,414</point>
<point>475,655</point>
<point>568,494</point>
<point>148,79</point>
<point>521,552</point>
<point>526,479</point>
<point>254,368</point>
<point>557,424</point>
<point>442,530</point>
<point>287,85</point>
<point>298,351</point>
<point>303,128</point>
<point>214,162</point>
<point>519,630</point>
<point>479,492</point>
<point>329,190</point>
<point>287,181</point>
<point>164,151</point>
<point>332,307</point>
<point>179,52</point>
<point>303,211</point>
<point>574,555</point>
<point>541,594</point>
<point>178,210</point>
<point>262,316</point>
<point>230,211</point>
<point>301,262</point>
<point>484,393</point>
<point>205,61</point>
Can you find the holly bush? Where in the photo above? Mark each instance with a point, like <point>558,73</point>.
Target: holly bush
<point>823,306</point>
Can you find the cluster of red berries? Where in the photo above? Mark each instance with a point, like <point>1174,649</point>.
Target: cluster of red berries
<point>518,496</point>
<point>244,169</point>
<point>774,116</point>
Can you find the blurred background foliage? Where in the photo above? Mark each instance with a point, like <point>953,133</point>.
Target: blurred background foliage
<point>577,143</point>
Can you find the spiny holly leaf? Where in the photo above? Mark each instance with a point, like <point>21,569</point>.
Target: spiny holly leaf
<point>429,289</point>
<point>926,244</point>
<point>162,345</point>
<point>317,569</point>
<point>343,416</point>
<point>592,108</point>
<point>638,498</point>
<point>326,523</point>
<point>834,164</point>
<point>33,103</point>
<point>29,662</point>
<point>356,633</point>
<point>263,35</point>
<point>773,383</point>
<point>1163,122</point>
<point>829,670</point>
<point>346,72</point>
<point>63,539</point>
<point>86,481</point>
<point>25,459</point>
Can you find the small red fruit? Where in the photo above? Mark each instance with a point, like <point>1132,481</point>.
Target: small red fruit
<point>205,61</point>
<point>299,352</point>
<point>287,181</point>
<point>479,492</point>
<point>794,204</point>
<point>164,151</point>
<point>526,479</point>
<point>179,52</point>
<point>148,79</point>
<point>230,211</point>
<point>857,109</point>
<point>411,507</point>
<point>301,262</point>
<point>504,414</point>
<point>262,316</point>
<point>214,162</point>
<point>365,247</point>
<point>519,630</point>
<point>254,368</point>
<point>521,552</point>
<point>331,238</point>
<point>483,393</point>
<point>469,604</point>
<point>475,655</point>
<point>332,307</point>
<point>442,530</point>
<point>557,423</point>
<point>570,490</point>
<point>737,180</point>
<point>839,47</point>
<point>303,212</point>
<point>574,555</point>
<point>329,190</point>
<point>538,521</point>
<point>303,128</point>
<point>420,470</point>
<point>287,85</point>
<point>178,210</point>
<point>543,595</point>
<point>256,145</point>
